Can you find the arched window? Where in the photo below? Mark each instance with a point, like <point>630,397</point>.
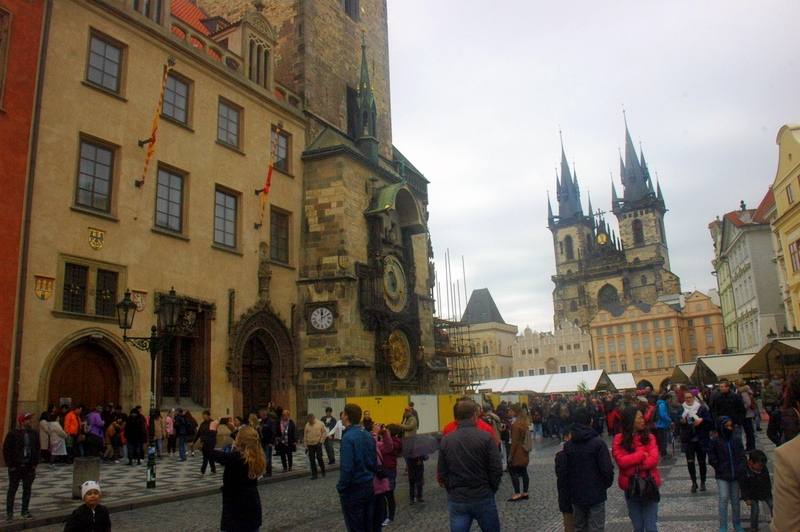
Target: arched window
<point>607,297</point>
<point>573,306</point>
<point>638,232</point>
<point>259,62</point>
<point>486,374</point>
<point>568,248</point>
<point>485,348</point>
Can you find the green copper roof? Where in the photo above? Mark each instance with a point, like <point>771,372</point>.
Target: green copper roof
<point>383,199</point>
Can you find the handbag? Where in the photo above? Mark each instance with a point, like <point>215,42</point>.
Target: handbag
<point>642,488</point>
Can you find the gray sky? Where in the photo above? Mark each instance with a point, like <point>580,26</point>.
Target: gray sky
<point>480,90</point>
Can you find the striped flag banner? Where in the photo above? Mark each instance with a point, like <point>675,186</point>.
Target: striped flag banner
<point>265,191</point>
<point>151,149</point>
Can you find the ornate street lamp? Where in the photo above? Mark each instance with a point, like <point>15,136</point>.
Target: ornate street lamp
<point>170,309</point>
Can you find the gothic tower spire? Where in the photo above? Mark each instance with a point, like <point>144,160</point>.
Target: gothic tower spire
<point>366,138</point>
<point>569,195</point>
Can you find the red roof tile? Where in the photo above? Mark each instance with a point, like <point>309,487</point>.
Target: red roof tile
<point>191,14</point>
<point>763,207</point>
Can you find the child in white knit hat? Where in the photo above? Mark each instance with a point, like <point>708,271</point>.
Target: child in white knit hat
<point>91,515</point>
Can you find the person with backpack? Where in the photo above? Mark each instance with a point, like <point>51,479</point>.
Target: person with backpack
<point>181,427</point>
<point>493,420</point>
<point>521,447</point>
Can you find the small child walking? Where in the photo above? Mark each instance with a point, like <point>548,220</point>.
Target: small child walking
<point>755,485</point>
<point>416,477</point>
<point>726,456</point>
<point>91,515</point>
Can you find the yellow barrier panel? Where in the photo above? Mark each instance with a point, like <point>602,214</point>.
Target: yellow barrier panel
<point>384,409</point>
<point>446,403</point>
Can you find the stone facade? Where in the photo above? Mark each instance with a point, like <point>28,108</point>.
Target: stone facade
<point>595,267</point>
<point>649,340</point>
<point>567,349</point>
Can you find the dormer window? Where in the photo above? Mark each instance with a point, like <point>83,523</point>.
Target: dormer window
<point>259,62</point>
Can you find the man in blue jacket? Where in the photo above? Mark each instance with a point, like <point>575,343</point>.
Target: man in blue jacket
<point>664,425</point>
<point>358,458</point>
<point>590,473</point>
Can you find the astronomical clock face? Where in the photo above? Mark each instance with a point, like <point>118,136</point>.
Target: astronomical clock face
<point>395,289</point>
<point>321,319</point>
<point>399,355</point>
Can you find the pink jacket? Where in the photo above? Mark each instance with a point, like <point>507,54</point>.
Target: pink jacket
<point>627,461</point>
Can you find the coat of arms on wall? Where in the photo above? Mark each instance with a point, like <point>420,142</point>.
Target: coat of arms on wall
<point>96,238</point>
<point>140,298</point>
<point>44,286</point>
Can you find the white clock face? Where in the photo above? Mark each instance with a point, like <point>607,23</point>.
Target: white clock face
<point>322,318</point>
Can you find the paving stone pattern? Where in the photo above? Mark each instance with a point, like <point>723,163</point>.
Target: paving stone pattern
<point>292,502</point>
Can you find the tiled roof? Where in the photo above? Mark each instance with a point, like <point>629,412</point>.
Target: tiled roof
<point>191,14</point>
<point>481,308</point>
<point>763,207</point>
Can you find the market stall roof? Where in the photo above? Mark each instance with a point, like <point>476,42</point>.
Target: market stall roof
<point>529,384</point>
<point>569,382</point>
<point>495,385</point>
<point>711,368</point>
<point>683,372</point>
<point>623,381</point>
<point>774,357</point>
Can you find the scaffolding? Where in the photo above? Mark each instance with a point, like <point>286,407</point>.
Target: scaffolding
<point>452,342</point>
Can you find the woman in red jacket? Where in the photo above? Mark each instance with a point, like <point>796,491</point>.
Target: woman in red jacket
<point>636,448</point>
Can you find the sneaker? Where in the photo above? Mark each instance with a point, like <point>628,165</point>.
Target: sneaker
<point>26,515</point>
<point>198,474</point>
<point>387,522</point>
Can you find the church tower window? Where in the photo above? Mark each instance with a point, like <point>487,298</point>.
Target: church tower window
<point>608,297</point>
<point>568,251</point>
<point>638,232</point>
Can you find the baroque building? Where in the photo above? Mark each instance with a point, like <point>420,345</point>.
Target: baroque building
<point>567,349</point>
<point>293,231</point>
<point>747,277</point>
<point>648,340</point>
<point>596,268</point>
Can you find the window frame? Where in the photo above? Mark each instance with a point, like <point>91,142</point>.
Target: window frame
<point>239,123</point>
<point>284,164</point>
<point>237,230</point>
<point>273,213</point>
<point>113,43</point>
<point>351,9</point>
<point>180,78</point>
<point>112,181</point>
<point>794,253</point>
<point>90,296</point>
<point>173,172</point>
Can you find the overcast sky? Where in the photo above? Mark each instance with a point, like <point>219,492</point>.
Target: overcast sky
<point>481,89</point>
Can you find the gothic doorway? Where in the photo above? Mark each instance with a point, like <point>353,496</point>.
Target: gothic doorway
<point>256,373</point>
<point>86,373</point>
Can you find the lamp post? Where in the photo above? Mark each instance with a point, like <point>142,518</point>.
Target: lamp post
<point>169,313</point>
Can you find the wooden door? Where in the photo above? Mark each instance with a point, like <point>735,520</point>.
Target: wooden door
<point>256,376</point>
<point>87,374</point>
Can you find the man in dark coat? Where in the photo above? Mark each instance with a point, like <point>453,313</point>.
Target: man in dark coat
<point>589,471</point>
<point>725,402</point>
<point>21,453</point>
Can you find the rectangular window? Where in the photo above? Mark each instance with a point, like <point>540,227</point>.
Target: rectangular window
<point>562,369</point>
<point>169,200</point>
<point>536,350</point>
<point>279,237</point>
<point>657,340</point>
<point>707,320</point>
<point>620,329</point>
<point>228,124</point>
<point>692,339</point>
<point>622,345</point>
<point>644,326</point>
<point>601,348</point>
<point>603,366</point>
<point>609,330</point>
<point>105,63</point>
<point>633,327</point>
<point>646,342</point>
<point>612,346</point>
<point>541,371</point>
<point>599,332</point>
<point>225,208</point>
<point>660,361</point>
<point>709,338</point>
<point>584,367</point>
<point>672,360</point>
<point>351,8</point>
<point>95,175</point>
<point>635,342</point>
<point>669,339</point>
<point>573,368</point>
<point>690,322</point>
<point>90,288</point>
<point>655,324</point>
<point>648,363</point>
<point>176,99</point>
<point>521,373</point>
<point>794,252</point>
<point>531,372</point>
<point>790,194</point>
<point>281,161</point>
<point>576,346</point>
<point>667,323</point>
<point>637,364</point>
<point>613,366</point>
<point>623,365</point>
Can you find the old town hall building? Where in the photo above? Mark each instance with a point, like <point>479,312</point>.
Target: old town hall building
<point>596,268</point>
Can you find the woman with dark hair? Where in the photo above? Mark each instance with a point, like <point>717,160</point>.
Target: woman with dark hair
<point>518,457</point>
<point>241,502</point>
<point>636,452</point>
<point>696,428</point>
<point>790,409</point>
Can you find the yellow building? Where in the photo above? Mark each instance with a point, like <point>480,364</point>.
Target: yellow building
<point>786,218</point>
<point>649,340</point>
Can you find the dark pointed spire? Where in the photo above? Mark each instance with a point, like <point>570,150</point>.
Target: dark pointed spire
<point>366,134</point>
<point>550,220</point>
<point>659,195</point>
<point>569,195</point>
<point>591,212</point>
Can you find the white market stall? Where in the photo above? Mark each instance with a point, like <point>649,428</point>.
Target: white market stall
<point>714,367</point>
<point>623,381</point>
<point>570,382</point>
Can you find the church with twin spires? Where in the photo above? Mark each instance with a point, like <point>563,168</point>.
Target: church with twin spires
<point>598,268</point>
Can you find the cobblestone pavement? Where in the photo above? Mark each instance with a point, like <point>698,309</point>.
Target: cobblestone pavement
<point>293,502</point>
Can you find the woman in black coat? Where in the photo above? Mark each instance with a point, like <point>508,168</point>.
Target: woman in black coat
<point>136,435</point>
<point>286,442</point>
<point>241,503</point>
